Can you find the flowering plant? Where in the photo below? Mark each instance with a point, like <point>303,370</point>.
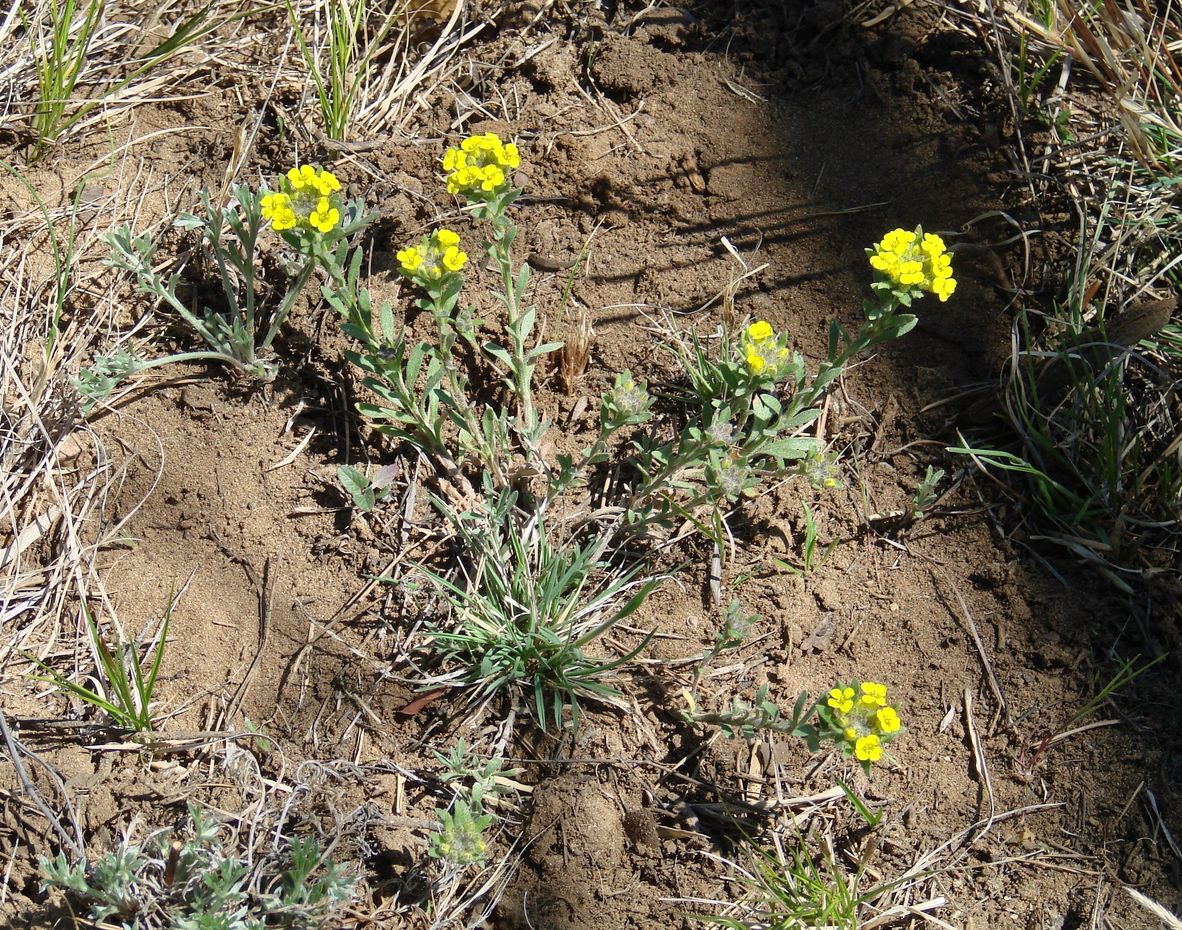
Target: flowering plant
<point>855,718</point>
<point>307,211</point>
<point>476,171</point>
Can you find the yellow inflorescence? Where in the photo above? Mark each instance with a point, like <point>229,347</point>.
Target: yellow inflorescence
<point>762,349</point>
<point>867,723</point>
<point>434,256</point>
<point>478,167</point>
<point>913,262</point>
<point>308,198</point>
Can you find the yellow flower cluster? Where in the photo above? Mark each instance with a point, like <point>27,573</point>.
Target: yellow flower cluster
<point>762,350</point>
<point>308,198</point>
<point>914,262</point>
<point>434,256</point>
<point>867,722</point>
<point>478,167</point>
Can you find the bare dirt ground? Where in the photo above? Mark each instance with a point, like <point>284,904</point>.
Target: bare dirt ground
<point>649,134</point>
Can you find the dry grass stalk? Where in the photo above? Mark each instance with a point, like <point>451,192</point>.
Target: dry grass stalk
<point>1129,52</point>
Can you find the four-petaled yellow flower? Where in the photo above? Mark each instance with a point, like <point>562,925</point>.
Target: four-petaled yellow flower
<point>887,720</point>
<point>873,694</point>
<point>868,749</point>
<point>410,258</point>
<point>760,330</point>
<point>479,166</point>
<point>325,216</point>
<point>915,263</point>
<point>841,700</point>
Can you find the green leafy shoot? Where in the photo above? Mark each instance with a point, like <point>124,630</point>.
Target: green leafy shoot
<point>736,624</point>
<point>925,494</point>
<point>812,556</point>
<point>460,839</point>
<point>364,492</point>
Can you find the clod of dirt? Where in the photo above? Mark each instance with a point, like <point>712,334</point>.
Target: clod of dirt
<point>576,862</point>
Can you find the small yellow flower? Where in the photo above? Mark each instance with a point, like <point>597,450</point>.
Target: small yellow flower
<point>326,183</point>
<point>325,216</point>
<point>760,330</point>
<point>755,361</point>
<point>446,238</point>
<point>301,177</point>
<point>410,259</point>
<point>873,694</point>
<point>887,720</point>
<point>868,749</point>
<point>277,209</point>
<point>910,272</point>
<point>851,734</point>
<point>841,700</point>
<point>897,241</point>
<point>493,177</point>
<point>932,244</point>
<point>453,258</point>
<point>943,288</point>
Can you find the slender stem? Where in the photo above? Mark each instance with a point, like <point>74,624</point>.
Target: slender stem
<point>503,232</point>
<point>289,300</point>
<point>196,357</point>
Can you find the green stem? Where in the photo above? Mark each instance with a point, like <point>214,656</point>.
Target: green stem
<point>499,249</point>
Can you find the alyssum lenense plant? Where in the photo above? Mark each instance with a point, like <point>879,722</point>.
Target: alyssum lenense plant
<point>854,718</point>
<point>422,391</point>
<point>747,403</point>
<point>314,221</point>
<point>198,881</point>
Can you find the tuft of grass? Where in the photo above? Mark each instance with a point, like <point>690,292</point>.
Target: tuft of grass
<point>797,888</point>
<point>338,55</point>
<point>1089,402</point>
<point>524,611</point>
<point>61,39</point>
<point>128,680</point>
<point>60,44</point>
